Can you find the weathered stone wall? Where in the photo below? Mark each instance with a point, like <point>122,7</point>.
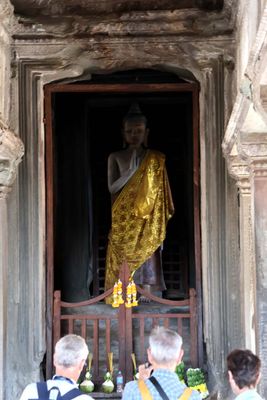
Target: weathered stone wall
<point>245,148</point>
<point>11,151</point>
<point>191,44</point>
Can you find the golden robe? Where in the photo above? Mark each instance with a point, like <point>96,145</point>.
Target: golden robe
<point>139,217</point>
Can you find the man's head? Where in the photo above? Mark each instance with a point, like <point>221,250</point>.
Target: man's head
<point>243,370</point>
<point>165,348</point>
<point>70,354</point>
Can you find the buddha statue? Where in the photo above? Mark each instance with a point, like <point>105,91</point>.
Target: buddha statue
<point>141,207</point>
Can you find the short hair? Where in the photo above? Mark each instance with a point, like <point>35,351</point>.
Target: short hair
<point>70,350</point>
<point>165,345</point>
<point>245,367</point>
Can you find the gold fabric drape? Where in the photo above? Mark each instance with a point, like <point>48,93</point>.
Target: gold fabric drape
<point>139,217</point>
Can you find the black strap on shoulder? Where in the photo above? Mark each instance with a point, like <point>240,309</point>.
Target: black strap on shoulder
<point>72,394</point>
<point>44,393</point>
<point>154,381</point>
<point>42,390</point>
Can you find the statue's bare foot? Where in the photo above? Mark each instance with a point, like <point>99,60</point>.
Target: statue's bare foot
<point>144,299</point>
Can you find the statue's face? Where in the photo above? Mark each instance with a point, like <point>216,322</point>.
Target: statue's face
<point>134,133</point>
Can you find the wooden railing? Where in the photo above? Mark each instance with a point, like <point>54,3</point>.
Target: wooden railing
<point>115,330</point>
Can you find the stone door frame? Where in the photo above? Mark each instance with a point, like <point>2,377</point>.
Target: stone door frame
<point>36,66</point>
<point>115,88</point>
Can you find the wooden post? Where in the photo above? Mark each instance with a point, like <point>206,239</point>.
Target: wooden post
<point>193,329</point>
<point>56,319</point>
<point>125,328</point>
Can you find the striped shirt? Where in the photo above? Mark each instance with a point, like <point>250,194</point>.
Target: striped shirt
<point>169,382</point>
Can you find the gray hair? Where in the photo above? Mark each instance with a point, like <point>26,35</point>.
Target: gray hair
<point>165,345</point>
<point>70,350</point>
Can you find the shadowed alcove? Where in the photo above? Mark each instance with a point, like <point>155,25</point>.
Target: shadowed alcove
<point>86,129</point>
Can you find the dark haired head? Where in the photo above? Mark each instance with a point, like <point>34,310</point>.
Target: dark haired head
<point>244,367</point>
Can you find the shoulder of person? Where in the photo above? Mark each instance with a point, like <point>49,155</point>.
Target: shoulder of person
<point>131,386</point>
<point>130,389</point>
<point>30,391</point>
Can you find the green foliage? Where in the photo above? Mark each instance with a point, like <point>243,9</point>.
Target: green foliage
<point>195,377</point>
<point>180,371</point>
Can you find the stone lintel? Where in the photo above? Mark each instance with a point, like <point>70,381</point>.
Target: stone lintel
<point>11,152</point>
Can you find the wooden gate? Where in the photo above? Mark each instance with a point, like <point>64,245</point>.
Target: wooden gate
<point>124,331</point>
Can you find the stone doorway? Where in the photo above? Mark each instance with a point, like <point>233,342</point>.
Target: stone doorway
<point>83,122</point>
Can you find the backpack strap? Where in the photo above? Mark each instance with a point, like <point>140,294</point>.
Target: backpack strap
<point>186,394</point>
<point>72,394</point>
<point>145,393</point>
<point>159,388</point>
<point>44,393</point>
<point>42,390</point>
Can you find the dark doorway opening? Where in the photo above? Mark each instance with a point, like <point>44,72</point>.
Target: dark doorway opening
<point>87,128</point>
<point>83,126</point>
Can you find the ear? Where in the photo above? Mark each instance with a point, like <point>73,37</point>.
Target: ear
<point>81,364</point>
<point>149,356</point>
<point>231,380</point>
<point>258,379</point>
<point>233,385</point>
<point>180,356</point>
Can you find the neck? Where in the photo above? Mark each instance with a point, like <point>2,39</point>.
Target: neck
<point>170,367</point>
<point>244,389</point>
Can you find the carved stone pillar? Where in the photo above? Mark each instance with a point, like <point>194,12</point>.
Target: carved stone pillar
<point>239,170</point>
<point>252,148</point>
<point>219,220</point>
<point>259,176</point>
<point>11,151</point>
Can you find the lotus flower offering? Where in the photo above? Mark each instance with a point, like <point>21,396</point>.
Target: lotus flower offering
<point>108,385</point>
<point>87,385</point>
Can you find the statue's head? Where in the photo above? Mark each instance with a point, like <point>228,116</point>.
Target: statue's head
<point>134,127</point>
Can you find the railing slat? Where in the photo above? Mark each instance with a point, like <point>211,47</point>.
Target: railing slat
<point>166,322</point>
<point>83,330</point>
<point>180,326</point>
<point>142,340</point>
<point>70,323</point>
<point>96,349</point>
<point>108,335</point>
